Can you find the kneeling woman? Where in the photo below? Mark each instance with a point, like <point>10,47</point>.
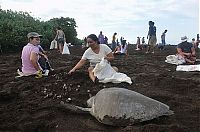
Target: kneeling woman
<point>94,55</point>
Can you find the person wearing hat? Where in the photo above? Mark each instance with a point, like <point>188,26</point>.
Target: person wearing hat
<point>186,50</point>
<point>30,55</point>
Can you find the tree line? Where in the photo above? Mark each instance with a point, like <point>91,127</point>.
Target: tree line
<point>14,27</point>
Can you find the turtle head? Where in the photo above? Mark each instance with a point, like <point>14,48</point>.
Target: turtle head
<point>90,101</point>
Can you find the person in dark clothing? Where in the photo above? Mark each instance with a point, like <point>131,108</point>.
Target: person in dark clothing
<point>152,37</point>
<point>186,50</point>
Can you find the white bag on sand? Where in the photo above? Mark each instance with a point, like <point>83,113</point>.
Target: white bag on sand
<point>54,44</point>
<point>188,68</point>
<point>175,59</point>
<point>65,49</point>
<point>105,73</point>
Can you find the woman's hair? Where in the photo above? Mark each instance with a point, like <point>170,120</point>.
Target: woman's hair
<point>94,38</point>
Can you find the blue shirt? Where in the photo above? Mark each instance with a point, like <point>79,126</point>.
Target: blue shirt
<point>152,30</point>
<point>185,47</point>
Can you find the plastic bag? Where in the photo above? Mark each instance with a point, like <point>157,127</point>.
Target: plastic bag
<point>65,49</point>
<point>188,68</point>
<point>175,59</point>
<point>105,73</point>
<point>54,44</point>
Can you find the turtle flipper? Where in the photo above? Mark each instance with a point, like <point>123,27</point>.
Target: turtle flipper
<point>74,108</point>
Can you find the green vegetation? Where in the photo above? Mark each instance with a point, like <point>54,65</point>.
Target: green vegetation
<point>14,26</point>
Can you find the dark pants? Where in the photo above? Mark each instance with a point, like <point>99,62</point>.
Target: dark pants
<point>44,63</point>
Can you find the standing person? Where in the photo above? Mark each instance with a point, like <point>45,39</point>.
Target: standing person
<point>30,55</point>
<point>194,43</point>
<point>94,55</point>
<point>121,40</point>
<point>186,50</point>
<point>138,47</point>
<point>114,41</point>
<point>162,46</point>
<point>152,37</point>
<point>60,37</point>
<point>143,42</point>
<point>85,42</point>
<point>101,38</point>
<point>105,40</point>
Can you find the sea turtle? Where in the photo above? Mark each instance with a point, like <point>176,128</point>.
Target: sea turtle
<point>121,107</point>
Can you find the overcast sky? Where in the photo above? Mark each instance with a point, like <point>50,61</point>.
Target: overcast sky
<point>129,18</point>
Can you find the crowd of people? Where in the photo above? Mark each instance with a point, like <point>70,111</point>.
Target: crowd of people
<point>35,60</point>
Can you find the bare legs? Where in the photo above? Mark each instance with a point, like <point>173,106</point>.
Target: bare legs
<point>60,47</point>
<point>149,48</point>
<point>91,73</point>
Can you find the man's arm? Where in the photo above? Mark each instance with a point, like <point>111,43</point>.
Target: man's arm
<point>193,51</point>
<point>56,35</point>
<point>179,50</point>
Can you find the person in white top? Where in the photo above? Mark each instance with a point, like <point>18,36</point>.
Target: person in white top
<point>94,55</point>
<point>122,49</point>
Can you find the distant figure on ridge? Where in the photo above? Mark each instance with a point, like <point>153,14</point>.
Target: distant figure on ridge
<point>162,45</point>
<point>152,37</point>
<point>143,43</point>
<point>114,41</point>
<point>105,40</point>
<point>138,45</point>
<point>101,38</point>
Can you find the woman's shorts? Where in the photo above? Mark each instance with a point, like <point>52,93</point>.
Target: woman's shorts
<point>152,41</point>
<point>61,41</point>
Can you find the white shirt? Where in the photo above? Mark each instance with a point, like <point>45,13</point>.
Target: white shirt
<point>96,58</point>
<point>123,50</point>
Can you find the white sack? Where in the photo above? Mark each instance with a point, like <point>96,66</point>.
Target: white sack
<point>65,49</point>
<point>188,68</point>
<point>54,44</point>
<point>175,59</point>
<point>105,73</point>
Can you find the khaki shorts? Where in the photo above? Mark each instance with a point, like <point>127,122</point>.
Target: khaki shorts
<point>152,41</point>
